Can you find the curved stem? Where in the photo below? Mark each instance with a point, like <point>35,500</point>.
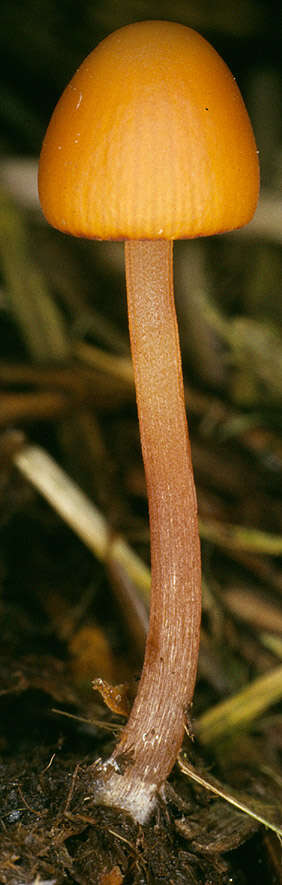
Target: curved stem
<point>154,732</point>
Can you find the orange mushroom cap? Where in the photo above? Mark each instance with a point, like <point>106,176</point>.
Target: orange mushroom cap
<point>150,140</point>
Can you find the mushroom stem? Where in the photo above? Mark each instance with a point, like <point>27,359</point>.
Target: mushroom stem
<point>153,735</point>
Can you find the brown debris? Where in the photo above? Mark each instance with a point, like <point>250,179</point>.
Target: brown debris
<point>115,877</point>
<point>115,696</point>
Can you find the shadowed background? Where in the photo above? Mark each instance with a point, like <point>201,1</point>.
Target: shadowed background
<point>66,385</point>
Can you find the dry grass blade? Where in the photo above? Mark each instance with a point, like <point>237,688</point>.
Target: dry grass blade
<point>38,317</point>
<point>241,709</point>
<point>80,513</point>
<point>263,812</point>
<point>236,537</point>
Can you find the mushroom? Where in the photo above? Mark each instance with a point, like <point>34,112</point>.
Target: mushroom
<point>150,142</point>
